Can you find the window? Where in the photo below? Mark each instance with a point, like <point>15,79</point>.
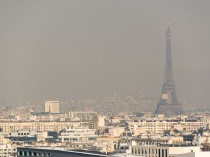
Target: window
<point>158,152</point>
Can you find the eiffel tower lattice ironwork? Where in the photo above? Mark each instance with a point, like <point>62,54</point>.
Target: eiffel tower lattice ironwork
<point>168,103</point>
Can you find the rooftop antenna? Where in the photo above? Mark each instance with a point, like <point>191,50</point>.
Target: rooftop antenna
<point>169,26</point>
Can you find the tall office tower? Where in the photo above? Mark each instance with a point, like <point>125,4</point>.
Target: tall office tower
<point>168,103</point>
<point>52,106</point>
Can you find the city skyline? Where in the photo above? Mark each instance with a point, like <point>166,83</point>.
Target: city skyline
<point>56,51</point>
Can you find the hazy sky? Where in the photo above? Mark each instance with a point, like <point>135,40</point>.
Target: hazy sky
<point>67,49</point>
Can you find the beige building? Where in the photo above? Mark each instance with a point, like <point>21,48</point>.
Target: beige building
<point>52,106</point>
<point>37,126</point>
<point>106,144</point>
<point>154,150</point>
<point>116,131</point>
<point>158,127</point>
<point>82,115</point>
<point>8,150</point>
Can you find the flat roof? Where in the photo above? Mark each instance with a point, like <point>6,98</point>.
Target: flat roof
<point>63,150</point>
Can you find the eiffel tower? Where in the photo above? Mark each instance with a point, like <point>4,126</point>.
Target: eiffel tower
<point>168,103</point>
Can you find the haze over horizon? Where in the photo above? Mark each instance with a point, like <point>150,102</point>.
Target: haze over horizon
<point>69,49</point>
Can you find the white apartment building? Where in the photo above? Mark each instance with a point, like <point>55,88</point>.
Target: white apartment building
<point>52,106</point>
<point>77,135</point>
<point>8,126</point>
<point>158,127</point>
<point>155,150</point>
<point>21,133</point>
<point>28,133</point>
<point>100,121</point>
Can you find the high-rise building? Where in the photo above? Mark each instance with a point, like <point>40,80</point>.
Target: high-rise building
<point>168,103</point>
<point>52,106</point>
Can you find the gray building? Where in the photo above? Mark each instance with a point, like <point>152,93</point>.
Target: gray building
<point>54,152</point>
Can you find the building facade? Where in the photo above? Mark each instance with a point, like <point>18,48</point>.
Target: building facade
<point>8,126</point>
<point>52,106</point>
<point>158,127</point>
<point>155,150</point>
<point>77,135</point>
<point>53,152</point>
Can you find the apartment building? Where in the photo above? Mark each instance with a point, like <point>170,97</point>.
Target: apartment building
<point>158,127</point>
<point>77,135</point>
<point>153,149</point>
<point>82,115</point>
<point>52,106</point>
<point>8,126</point>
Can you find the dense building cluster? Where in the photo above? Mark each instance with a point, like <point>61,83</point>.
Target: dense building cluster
<point>122,133</point>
